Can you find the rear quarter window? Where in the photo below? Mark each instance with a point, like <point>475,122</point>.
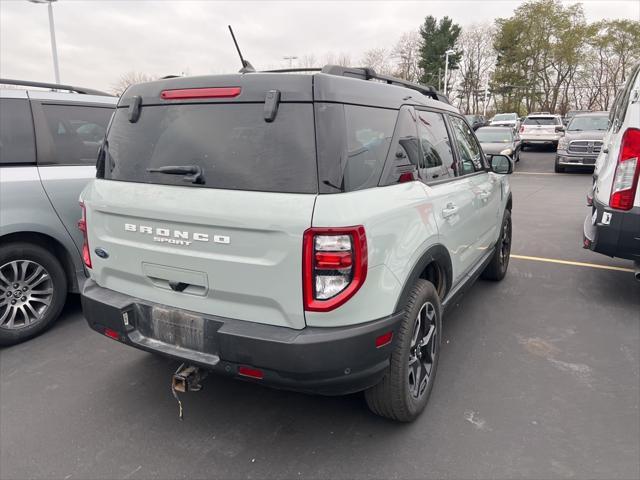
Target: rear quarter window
<point>70,134</point>
<point>353,142</point>
<point>233,145</point>
<point>17,146</point>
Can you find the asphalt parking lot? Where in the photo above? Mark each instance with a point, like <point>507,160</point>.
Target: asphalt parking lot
<point>539,378</point>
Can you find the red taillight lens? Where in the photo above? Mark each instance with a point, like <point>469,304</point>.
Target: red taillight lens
<point>334,266</point>
<point>625,181</point>
<point>384,339</point>
<point>188,93</point>
<point>406,177</point>
<point>82,226</point>
<point>250,372</point>
<point>522,129</point>
<point>111,334</point>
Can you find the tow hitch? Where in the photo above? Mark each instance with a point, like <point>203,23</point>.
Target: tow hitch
<point>187,378</point>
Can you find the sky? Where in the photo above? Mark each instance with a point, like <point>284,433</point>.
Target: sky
<point>100,40</point>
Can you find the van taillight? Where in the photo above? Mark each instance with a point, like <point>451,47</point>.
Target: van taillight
<point>625,180</point>
<point>82,226</point>
<point>334,266</point>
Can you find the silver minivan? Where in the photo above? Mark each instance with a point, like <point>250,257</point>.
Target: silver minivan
<point>48,145</point>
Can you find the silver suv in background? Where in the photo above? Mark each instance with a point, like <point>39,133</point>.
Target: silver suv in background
<point>505,120</point>
<point>48,148</point>
<point>582,142</point>
<point>541,129</point>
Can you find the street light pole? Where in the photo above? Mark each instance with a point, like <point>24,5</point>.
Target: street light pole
<point>446,68</point>
<point>52,31</point>
<point>291,59</point>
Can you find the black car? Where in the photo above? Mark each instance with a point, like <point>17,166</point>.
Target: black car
<point>500,141</point>
<point>476,121</point>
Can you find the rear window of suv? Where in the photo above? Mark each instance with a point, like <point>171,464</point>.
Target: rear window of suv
<point>232,144</point>
<point>541,121</point>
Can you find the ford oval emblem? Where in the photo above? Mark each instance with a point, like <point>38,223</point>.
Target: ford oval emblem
<point>101,252</point>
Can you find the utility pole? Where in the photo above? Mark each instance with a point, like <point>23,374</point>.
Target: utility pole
<point>291,59</point>
<point>52,31</point>
<point>486,94</point>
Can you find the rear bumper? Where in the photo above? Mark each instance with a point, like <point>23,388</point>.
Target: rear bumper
<point>613,232</point>
<point>328,361</point>
<point>545,139</point>
<point>566,159</point>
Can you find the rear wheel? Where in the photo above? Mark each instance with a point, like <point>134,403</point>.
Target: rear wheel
<point>404,391</point>
<point>497,267</point>
<point>33,288</point>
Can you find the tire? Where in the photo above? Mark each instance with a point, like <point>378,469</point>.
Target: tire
<point>497,267</point>
<point>397,396</point>
<point>558,168</point>
<point>517,157</point>
<point>41,293</point>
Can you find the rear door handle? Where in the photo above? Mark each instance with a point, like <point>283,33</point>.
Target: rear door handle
<point>449,211</point>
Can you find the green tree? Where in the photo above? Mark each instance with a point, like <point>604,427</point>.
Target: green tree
<point>437,38</point>
<point>539,50</point>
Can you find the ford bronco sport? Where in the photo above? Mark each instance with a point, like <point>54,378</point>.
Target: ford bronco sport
<point>304,231</point>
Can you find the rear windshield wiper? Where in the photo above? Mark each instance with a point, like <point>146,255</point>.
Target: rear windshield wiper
<point>192,173</point>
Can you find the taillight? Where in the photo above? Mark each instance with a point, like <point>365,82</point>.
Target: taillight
<point>188,93</point>
<point>522,129</point>
<point>82,226</point>
<point>625,181</point>
<point>334,266</point>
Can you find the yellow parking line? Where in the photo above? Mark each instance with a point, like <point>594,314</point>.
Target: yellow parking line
<point>575,264</point>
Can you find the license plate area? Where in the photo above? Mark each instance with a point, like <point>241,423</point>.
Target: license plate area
<point>178,328</point>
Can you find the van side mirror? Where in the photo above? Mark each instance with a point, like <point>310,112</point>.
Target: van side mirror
<point>501,164</point>
<point>560,128</point>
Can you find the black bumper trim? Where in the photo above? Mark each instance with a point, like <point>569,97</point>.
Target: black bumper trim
<point>618,236</point>
<point>329,361</point>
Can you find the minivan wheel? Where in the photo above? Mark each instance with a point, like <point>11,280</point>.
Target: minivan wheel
<point>33,288</point>
<point>403,392</point>
<point>497,267</point>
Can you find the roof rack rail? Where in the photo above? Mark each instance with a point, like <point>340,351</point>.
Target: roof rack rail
<point>366,73</point>
<point>53,86</point>
<point>292,70</point>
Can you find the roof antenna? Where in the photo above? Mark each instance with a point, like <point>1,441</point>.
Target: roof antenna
<point>246,65</point>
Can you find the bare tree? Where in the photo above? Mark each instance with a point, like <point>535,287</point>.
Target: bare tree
<point>378,59</point>
<point>475,66</point>
<point>407,55</point>
<point>308,61</point>
<point>130,78</point>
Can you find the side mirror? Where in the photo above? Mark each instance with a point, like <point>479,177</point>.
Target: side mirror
<point>560,128</point>
<point>501,164</point>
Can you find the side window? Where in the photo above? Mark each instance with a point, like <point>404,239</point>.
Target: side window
<point>403,160</point>
<point>622,102</point>
<point>17,145</point>
<point>468,148</point>
<point>436,156</point>
<point>72,133</point>
<point>369,132</point>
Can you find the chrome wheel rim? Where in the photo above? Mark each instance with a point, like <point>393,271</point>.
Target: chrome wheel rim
<point>423,350</point>
<point>26,292</point>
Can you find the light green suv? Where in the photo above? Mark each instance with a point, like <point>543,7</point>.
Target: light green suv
<point>302,231</point>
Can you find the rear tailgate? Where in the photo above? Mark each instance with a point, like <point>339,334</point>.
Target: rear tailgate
<point>542,126</point>
<point>225,242</point>
<point>237,254</point>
